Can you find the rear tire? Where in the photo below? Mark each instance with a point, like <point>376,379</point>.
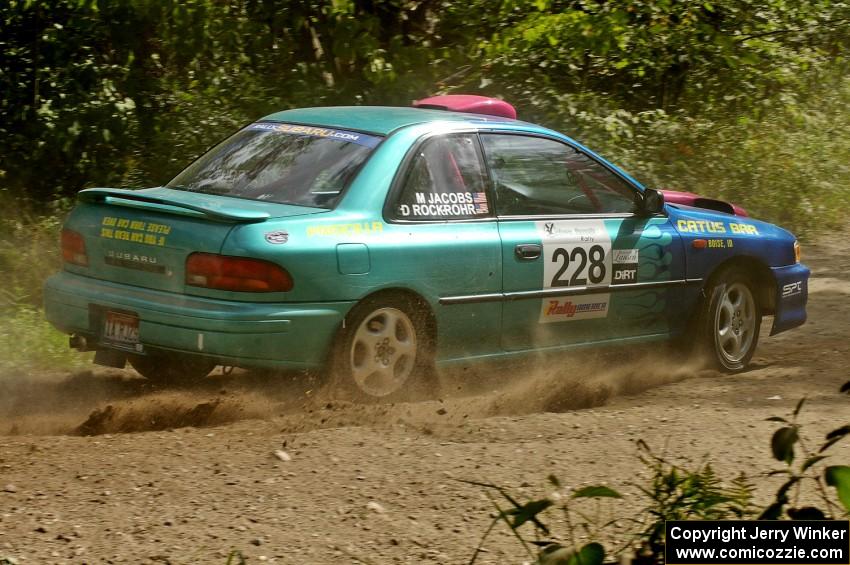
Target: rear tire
<point>171,368</point>
<point>729,321</point>
<point>384,351</point>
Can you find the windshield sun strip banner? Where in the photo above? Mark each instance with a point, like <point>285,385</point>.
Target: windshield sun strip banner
<point>313,131</point>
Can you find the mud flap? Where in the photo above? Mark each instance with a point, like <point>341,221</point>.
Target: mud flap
<point>110,358</point>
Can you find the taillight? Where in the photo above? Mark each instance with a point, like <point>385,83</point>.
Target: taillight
<point>239,274</point>
<point>74,248</point>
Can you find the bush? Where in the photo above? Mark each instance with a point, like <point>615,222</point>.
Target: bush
<point>790,165</point>
<point>29,253</point>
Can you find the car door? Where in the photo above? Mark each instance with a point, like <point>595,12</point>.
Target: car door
<point>579,264</point>
<point>442,241</point>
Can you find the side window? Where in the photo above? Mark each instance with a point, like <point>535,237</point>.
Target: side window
<point>538,176</point>
<point>445,180</point>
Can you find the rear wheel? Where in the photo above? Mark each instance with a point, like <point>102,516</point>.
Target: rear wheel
<point>171,368</point>
<point>384,351</point>
<point>730,321</point>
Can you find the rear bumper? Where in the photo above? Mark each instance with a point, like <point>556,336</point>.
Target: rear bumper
<point>296,335</point>
<point>792,292</point>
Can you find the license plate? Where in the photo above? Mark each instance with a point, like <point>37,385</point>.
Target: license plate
<point>121,329</point>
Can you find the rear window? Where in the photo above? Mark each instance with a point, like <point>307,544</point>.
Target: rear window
<point>285,163</point>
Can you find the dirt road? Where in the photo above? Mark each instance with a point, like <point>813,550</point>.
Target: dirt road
<point>379,482</point>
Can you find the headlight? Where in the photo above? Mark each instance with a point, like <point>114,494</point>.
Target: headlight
<point>797,252</point>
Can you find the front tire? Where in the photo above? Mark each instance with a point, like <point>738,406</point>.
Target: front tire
<point>384,352</point>
<point>730,322</point>
<point>171,368</point>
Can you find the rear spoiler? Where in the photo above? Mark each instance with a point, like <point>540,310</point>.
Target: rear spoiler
<point>138,199</point>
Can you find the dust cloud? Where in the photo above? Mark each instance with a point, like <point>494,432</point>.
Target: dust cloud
<point>108,401</point>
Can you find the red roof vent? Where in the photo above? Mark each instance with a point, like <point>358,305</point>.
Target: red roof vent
<point>469,103</point>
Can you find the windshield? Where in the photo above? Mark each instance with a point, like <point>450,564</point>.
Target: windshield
<point>285,163</point>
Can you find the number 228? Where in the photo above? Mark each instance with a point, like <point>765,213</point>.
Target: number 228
<point>595,271</point>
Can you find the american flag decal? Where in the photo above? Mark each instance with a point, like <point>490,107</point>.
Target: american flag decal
<point>480,201</point>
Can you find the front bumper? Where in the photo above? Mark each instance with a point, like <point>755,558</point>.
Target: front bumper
<point>295,335</point>
<point>792,292</point>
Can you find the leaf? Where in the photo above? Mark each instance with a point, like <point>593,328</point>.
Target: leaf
<point>527,511</point>
<point>597,492</point>
<point>776,419</point>
<point>799,405</point>
<point>782,444</point>
<point>812,460</point>
<point>591,554</point>
<point>838,476</point>
<point>806,513</point>
<point>839,433</point>
<point>827,444</point>
<point>834,436</point>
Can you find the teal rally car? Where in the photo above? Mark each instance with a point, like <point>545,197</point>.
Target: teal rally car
<point>376,243</point>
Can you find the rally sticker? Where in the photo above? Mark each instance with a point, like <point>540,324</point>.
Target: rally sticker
<point>336,134</point>
<point>575,253</point>
<point>625,265</point>
<point>446,204</point>
<point>574,308</point>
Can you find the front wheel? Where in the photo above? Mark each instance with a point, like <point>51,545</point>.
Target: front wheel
<point>730,322</point>
<point>384,351</point>
<point>171,368</point>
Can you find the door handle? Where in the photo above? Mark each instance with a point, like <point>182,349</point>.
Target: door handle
<point>528,251</point>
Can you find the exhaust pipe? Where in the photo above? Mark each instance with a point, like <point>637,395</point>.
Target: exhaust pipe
<point>78,342</point>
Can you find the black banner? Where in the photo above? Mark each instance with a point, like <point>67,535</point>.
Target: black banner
<point>744,542</point>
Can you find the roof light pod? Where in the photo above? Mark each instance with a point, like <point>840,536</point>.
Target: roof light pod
<point>470,103</point>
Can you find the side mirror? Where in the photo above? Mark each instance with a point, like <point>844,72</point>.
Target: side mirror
<point>652,202</point>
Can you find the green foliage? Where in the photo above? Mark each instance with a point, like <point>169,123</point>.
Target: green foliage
<point>739,99</point>
<point>787,444</point>
<point>657,54</point>
<point>596,492</point>
<point>550,552</point>
<point>28,341</point>
<point>677,493</point>
<point>126,92</point>
<point>736,99</point>
<point>838,476</point>
<point>783,442</point>
<point>29,252</point>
